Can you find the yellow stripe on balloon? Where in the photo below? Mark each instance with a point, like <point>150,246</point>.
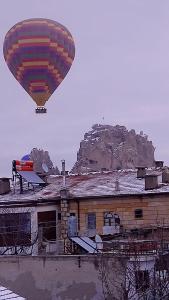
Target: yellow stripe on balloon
<point>62,51</point>
<point>34,40</point>
<point>37,83</point>
<point>11,51</point>
<point>35,63</point>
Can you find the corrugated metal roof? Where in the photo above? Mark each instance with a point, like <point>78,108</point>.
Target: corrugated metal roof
<point>8,294</point>
<point>86,243</point>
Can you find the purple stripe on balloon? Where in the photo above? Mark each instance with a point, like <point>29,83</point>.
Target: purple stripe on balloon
<point>39,91</point>
<point>39,53</point>
<point>41,74</point>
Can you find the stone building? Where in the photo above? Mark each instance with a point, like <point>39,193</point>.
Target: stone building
<point>104,203</point>
<point>103,206</point>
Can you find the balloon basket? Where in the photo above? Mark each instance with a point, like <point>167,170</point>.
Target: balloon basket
<point>41,110</point>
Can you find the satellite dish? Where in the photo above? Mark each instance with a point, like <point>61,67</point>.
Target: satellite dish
<point>26,157</point>
<point>99,242</point>
<point>45,167</point>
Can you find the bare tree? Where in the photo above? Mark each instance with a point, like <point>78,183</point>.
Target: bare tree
<point>112,276</point>
<point>134,276</point>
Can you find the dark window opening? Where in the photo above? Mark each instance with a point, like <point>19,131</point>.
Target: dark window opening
<point>104,169</point>
<point>15,229</point>
<point>47,225</point>
<point>91,221</point>
<point>59,216</point>
<point>138,213</point>
<point>72,214</point>
<point>91,161</point>
<point>142,280</point>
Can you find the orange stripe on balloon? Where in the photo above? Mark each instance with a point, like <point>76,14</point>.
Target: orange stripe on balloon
<point>33,40</point>
<point>38,83</point>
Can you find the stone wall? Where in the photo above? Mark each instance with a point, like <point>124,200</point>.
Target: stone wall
<point>155,209</point>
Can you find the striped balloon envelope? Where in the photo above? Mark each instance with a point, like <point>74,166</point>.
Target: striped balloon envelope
<point>39,53</point>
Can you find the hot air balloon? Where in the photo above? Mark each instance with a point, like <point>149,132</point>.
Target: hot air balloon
<point>39,53</point>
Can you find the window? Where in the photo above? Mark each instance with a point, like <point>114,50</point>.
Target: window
<point>111,219</point>
<point>91,221</point>
<point>108,219</point>
<point>92,162</point>
<point>15,229</point>
<point>142,280</point>
<point>47,224</point>
<point>72,214</point>
<point>59,216</point>
<point>138,213</point>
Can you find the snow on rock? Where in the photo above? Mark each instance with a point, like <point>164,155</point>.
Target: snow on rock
<point>107,147</point>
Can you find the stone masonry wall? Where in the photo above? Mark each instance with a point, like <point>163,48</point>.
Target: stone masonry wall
<point>155,211</point>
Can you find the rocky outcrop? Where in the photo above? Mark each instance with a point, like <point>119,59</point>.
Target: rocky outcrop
<point>108,147</point>
<point>41,158</point>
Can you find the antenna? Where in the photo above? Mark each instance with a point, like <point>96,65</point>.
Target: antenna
<point>117,185</point>
<point>63,173</point>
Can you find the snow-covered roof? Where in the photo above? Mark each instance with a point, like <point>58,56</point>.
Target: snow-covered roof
<point>102,184</point>
<point>90,185</point>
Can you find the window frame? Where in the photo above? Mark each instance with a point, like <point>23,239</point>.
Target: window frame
<point>88,216</point>
<point>47,224</point>
<point>108,220</point>
<point>138,213</point>
<point>14,231</point>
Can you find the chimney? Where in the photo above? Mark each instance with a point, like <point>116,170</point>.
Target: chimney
<point>63,173</point>
<point>159,163</point>
<point>103,170</point>
<point>117,185</point>
<point>64,209</point>
<point>151,182</point>
<point>64,193</point>
<point>4,185</point>
<point>165,175</point>
<point>141,172</point>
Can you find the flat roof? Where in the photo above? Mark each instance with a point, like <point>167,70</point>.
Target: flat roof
<point>86,186</point>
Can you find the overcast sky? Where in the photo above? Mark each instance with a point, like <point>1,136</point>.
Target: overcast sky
<point>120,72</point>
